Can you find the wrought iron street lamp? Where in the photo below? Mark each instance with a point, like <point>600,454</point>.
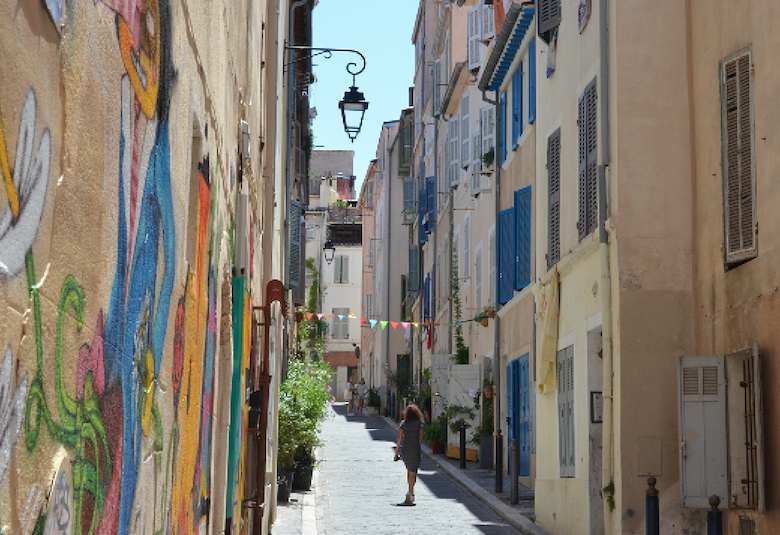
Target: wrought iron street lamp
<point>330,250</point>
<point>354,105</point>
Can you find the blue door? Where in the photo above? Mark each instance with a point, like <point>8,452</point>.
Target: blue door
<point>513,408</point>
<point>524,420</point>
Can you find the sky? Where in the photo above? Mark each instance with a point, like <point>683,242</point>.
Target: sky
<point>382,32</point>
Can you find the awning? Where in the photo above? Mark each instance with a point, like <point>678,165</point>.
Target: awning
<point>518,20</point>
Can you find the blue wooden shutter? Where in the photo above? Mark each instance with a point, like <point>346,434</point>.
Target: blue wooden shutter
<point>532,81</point>
<point>524,420</point>
<point>523,238</point>
<point>512,408</point>
<point>502,131</point>
<point>422,207</point>
<point>427,297</point>
<point>517,105</point>
<point>431,190</point>
<point>506,255</point>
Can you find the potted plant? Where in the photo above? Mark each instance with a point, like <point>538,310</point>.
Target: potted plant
<point>488,157</point>
<point>287,444</point>
<point>435,432</point>
<point>483,434</point>
<point>373,401</point>
<point>486,313</point>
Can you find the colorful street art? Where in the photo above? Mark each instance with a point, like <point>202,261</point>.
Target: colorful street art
<point>130,405</point>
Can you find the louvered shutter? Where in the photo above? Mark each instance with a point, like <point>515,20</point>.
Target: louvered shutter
<point>588,195</point>
<point>549,17</point>
<point>565,371</point>
<point>532,81</point>
<point>523,237</point>
<point>478,279</point>
<point>738,163</point>
<point>506,255</point>
<point>414,268</point>
<point>437,86</point>
<point>409,207</point>
<point>492,270</point>
<point>467,247</point>
<point>422,208</point>
<point>431,191</point>
<point>488,128</point>
<point>427,297</point>
<point>465,136</point>
<point>501,130</point>
<point>703,436</point>
<point>554,196</point>
<point>474,52</point>
<point>454,127</point>
<point>295,222</point>
<point>517,105</point>
<point>488,21</point>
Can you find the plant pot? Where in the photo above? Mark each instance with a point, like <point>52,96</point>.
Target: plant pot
<point>373,411</point>
<point>486,451</point>
<point>484,322</point>
<point>435,447</point>
<point>284,482</point>
<point>488,392</point>
<point>303,473</point>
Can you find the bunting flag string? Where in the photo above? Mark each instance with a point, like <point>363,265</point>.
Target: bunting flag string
<point>373,323</point>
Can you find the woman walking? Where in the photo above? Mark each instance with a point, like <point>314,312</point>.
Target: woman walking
<point>407,447</point>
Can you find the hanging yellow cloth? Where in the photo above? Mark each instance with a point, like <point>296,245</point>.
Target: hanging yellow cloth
<point>547,308</point>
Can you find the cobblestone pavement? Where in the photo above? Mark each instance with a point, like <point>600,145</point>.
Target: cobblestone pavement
<point>358,489</point>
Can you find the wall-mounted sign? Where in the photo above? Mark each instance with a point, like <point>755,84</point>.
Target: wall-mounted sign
<point>596,407</point>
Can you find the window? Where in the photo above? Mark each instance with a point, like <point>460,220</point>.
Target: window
<point>492,272</point>
<point>409,201</point>
<point>554,198</point>
<point>523,238</point>
<point>438,86</point>
<point>340,324</point>
<point>422,212</point>
<point>488,21</point>
<point>721,430</point>
<point>405,152</point>
<point>488,129</point>
<point>341,269</point>
<point>588,194</point>
<point>371,249</point>
<point>517,105</point>
<point>431,192</point>
<point>506,255</point>
<point>478,279</point>
<point>368,307</point>
<point>739,177</point>
<point>565,366</point>
<point>310,233</point>
<point>465,136</point>
<point>549,17</point>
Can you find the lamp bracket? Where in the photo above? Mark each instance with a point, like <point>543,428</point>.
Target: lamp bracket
<point>328,52</point>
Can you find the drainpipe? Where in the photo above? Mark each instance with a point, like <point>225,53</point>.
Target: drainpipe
<point>387,179</point>
<point>497,327</point>
<point>607,461</point>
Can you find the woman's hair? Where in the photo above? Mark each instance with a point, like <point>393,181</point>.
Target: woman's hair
<point>412,414</point>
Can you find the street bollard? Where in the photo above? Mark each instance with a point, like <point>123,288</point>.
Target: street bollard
<point>515,468</point>
<point>463,444</point>
<point>499,462</point>
<point>652,516</point>
<point>714,517</point>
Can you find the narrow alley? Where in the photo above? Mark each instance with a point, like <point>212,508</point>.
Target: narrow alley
<point>358,489</point>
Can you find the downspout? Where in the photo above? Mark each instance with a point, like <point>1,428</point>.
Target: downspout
<point>387,178</point>
<point>607,461</point>
<point>497,328</point>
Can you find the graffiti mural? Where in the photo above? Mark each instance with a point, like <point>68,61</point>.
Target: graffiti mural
<point>118,378</point>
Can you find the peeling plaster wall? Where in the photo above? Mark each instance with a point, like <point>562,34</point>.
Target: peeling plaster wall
<point>120,163</point>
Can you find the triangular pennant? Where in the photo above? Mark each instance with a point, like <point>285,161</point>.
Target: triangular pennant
<point>341,318</point>
<point>309,315</point>
<point>373,323</point>
<point>383,323</point>
<point>319,316</point>
<point>362,321</point>
<point>394,324</point>
<point>351,314</point>
<point>405,325</point>
<point>329,316</point>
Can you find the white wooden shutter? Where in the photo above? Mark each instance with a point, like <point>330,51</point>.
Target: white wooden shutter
<point>488,129</point>
<point>454,127</point>
<point>437,86</point>
<point>476,185</point>
<point>478,279</point>
<point>473,27</point>
<point>492,274</point>
<point>739,182</point>
<point>488,21</point>
<point>369,306</point>
<point>465,153</point>
<point>565,369</point>
<point>467,247</point>
<point>703,438</point>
